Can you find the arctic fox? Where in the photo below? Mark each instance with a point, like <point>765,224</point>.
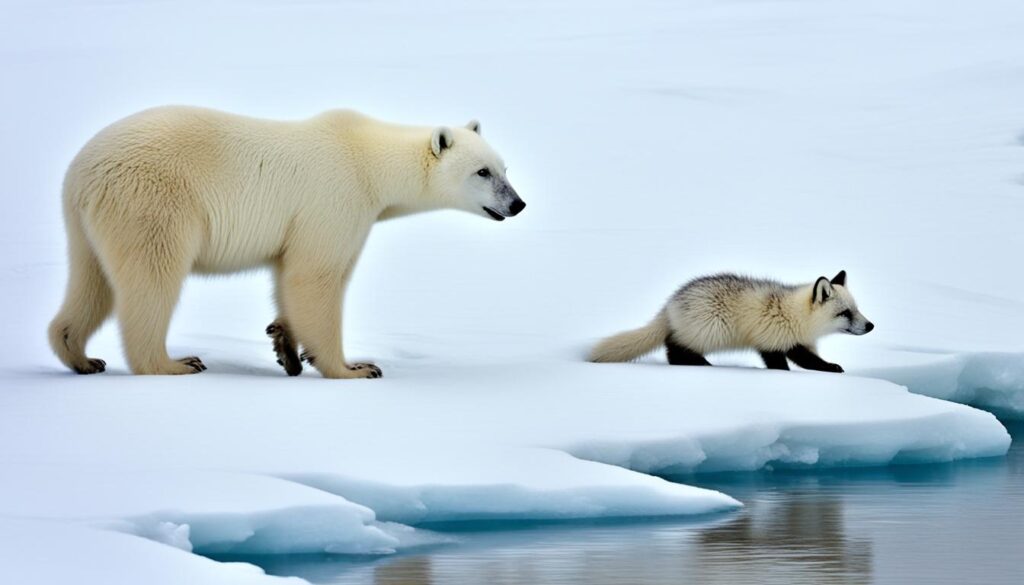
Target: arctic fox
<point>726,311</point>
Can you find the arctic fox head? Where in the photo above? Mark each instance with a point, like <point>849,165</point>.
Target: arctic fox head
<point>834,308</point>
<point>470,175</point>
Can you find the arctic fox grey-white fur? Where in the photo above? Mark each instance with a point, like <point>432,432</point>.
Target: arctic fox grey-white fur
<point>727,312</point>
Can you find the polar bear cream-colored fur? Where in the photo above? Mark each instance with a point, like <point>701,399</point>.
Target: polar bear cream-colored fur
<point>175,190</point>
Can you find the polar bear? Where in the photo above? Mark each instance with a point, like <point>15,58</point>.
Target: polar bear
<point>174,190</point>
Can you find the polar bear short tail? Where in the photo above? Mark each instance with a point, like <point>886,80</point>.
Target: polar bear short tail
<point>629,345</point>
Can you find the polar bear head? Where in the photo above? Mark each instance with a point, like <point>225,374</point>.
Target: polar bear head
<point>467,174</point>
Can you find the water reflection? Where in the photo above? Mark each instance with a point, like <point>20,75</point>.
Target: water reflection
<point>780,540</point>
<point>957,523</point>
<point>800,536</point>
<point>404,571</point>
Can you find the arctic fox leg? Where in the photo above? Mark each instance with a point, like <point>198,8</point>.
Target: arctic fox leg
<point>683,356</point>
<point>805,357</point>
<point>775,360</point>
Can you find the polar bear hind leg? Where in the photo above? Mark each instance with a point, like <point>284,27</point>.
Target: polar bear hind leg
<point>88,302</point>
<point>147,261</point>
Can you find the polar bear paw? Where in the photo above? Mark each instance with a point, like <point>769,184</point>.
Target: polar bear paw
<point>91,366</point>
<point>284,347</point>
<point>357,370</point>
<point>195,364</point>
<point>371,370</point>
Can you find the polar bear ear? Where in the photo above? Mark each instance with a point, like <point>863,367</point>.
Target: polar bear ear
<point>440,140</point>
<point>474,125</point>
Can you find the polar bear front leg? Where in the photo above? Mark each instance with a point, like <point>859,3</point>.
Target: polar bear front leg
<point>312,301</point>
<point>280,332</point>
<point>285,347</point>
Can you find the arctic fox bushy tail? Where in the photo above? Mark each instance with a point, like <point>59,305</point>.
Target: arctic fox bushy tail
<point>629,345</point>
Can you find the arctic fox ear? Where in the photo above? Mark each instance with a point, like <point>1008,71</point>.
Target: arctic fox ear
<point>840,279</point>
<point>822,290</point>
<point>474,125</point>
<point>440,140</point>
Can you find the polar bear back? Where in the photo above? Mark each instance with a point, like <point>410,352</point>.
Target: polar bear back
<point>243,182</point>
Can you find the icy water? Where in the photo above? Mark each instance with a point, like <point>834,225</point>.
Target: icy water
<point>950,523</point>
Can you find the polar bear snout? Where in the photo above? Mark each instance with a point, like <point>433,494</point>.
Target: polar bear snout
<point>517,206</point>
<point>506,203</point>
<point>508,198</point>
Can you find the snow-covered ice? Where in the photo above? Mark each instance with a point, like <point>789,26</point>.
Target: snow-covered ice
<point>301,464</point>
<point>653,142</point>
<point>36,551</point>
<point>200,511</point>
<point>993,381</point>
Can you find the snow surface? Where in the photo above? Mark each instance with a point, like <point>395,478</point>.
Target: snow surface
<point>652,142</point>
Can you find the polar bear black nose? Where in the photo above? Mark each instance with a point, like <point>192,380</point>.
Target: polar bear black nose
<point>517,206</point>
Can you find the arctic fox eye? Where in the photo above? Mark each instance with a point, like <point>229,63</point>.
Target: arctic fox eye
<point>847,314</point>
<point>484,173</point>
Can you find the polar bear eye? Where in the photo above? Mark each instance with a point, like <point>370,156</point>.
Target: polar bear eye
<point>484,173</point>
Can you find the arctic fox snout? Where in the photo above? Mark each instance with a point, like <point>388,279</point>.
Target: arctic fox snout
<point>867,328</point>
